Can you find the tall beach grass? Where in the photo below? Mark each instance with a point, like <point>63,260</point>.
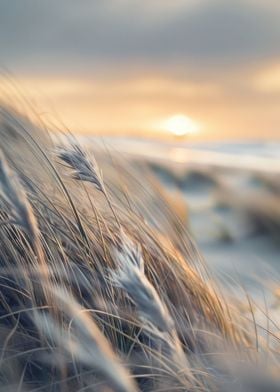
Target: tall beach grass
<point>102,289</point>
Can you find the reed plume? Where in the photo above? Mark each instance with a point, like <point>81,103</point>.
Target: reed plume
<point>14,201</point>
<point>83,167</point>
<point>80,340</point>
<point>130,276</point>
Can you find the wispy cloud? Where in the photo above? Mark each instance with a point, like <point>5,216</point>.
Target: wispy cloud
<point>100,31</point>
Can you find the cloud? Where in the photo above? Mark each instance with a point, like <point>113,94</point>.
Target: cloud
<point>267,80</point>
<point>67,33</point>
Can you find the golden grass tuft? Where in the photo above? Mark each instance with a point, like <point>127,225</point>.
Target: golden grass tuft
<point>123,301</point>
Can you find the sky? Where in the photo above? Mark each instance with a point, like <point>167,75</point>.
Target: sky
<point>206,68</point>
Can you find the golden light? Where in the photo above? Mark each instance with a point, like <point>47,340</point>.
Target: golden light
<point>180,125</point>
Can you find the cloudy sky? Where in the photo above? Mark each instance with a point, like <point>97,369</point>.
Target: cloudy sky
<point>128,66</point>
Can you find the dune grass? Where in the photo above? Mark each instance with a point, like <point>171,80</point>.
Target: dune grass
<point>101,288</point>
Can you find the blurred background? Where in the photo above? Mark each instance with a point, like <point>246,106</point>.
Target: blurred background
<point>134,66</point>
<point>192,87</point>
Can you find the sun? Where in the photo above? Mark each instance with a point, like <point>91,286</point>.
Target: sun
<point>180,125</point>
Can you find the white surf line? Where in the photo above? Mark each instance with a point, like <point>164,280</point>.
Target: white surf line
<point>182,155</point>
<point>226,160</point>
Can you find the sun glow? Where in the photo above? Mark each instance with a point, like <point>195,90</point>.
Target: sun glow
<point>180,125</point>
